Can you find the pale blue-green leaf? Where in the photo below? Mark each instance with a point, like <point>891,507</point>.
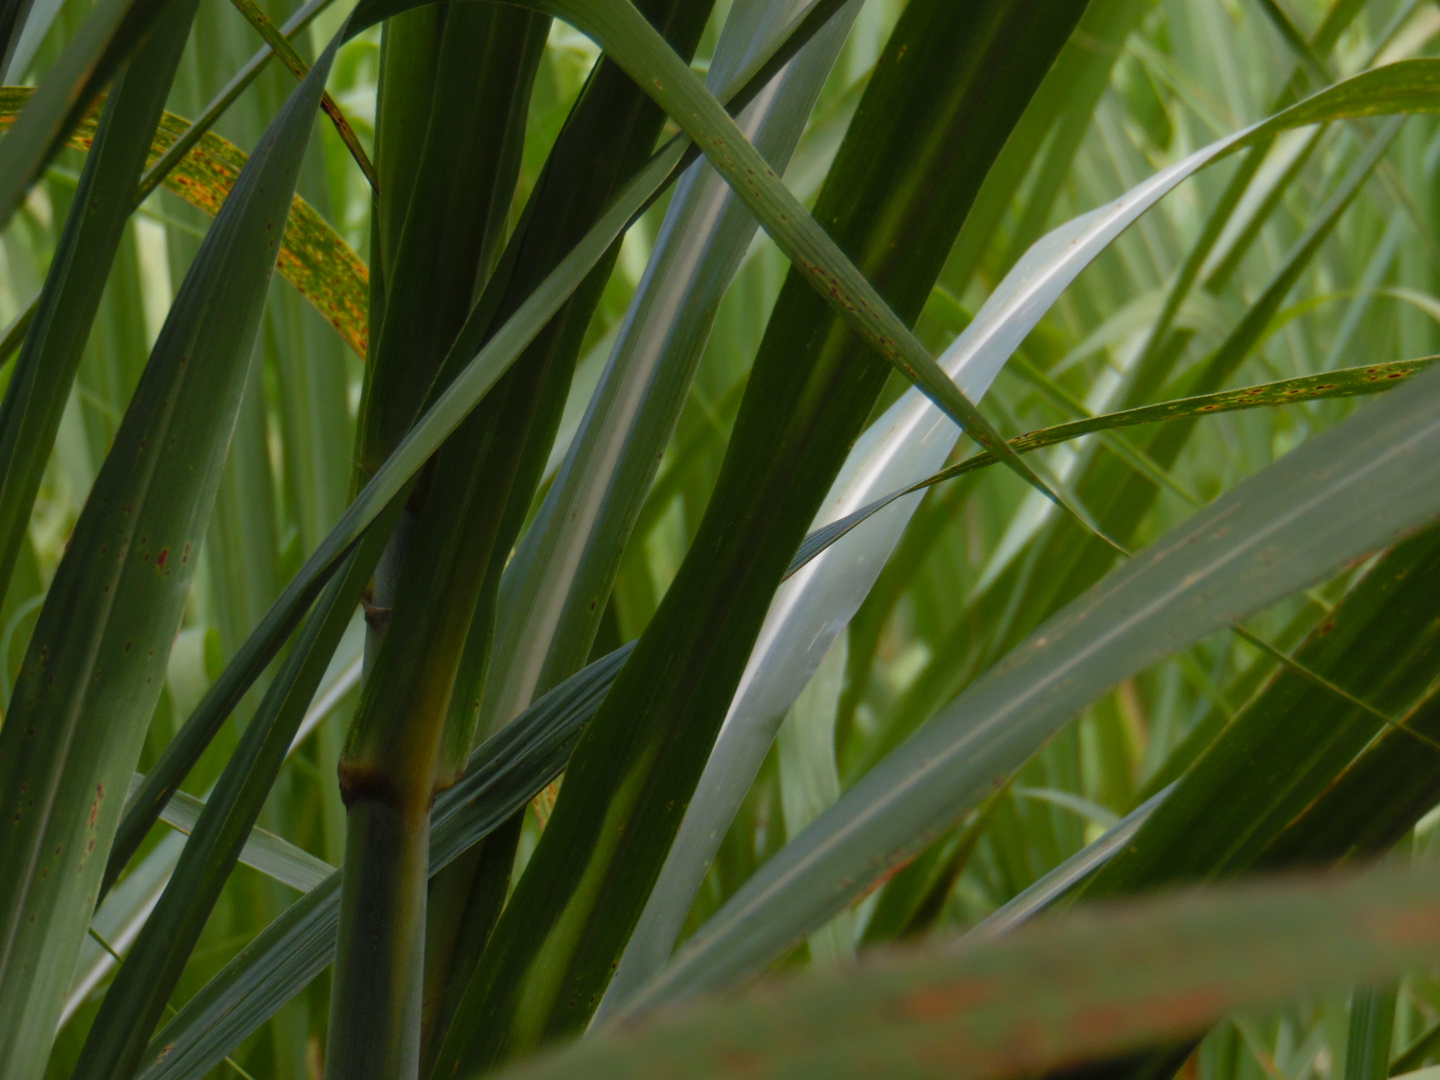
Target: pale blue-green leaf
<point>810,782</point>
<point>1348,492</point>
<point>273,856</point>
<point>37,24</point>
<point>908,443</point>
<point>128,904</point>
<point>561,574</point>
<point>1078,805</point>
<point>1072,872</point>
<point>119,920</point>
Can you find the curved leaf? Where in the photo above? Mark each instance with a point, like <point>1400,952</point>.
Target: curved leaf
<point>1349,491</point>
<point>272,855</point>
<point>119,918</point>
<point>1345,382</point>
<point>1073,872</point>
<point>911,441</point>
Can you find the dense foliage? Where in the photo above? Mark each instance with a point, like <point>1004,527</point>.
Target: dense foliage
<point>488,552</point>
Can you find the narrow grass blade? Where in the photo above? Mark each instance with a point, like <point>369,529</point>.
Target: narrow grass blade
<point>1373,801</point>
<point>177,150</point>
<point>15,333</point>
<point>1056,994</point>
<point>321,266</point>
<point>504,774</point>
<point>1346,382</point>
<point>96,661</point>
<point>66,308</point>
<point>1372,1026</point>
<point>1066,877</point>
<point>280,46</point>
<point>91,58</point>
<point>272,855</point>
<point>447,410</point>
<point>810,783</point>
<point>1349,491</point>
<point>1422,1047</point>
<point>554,582</point>
<point>119,919</point>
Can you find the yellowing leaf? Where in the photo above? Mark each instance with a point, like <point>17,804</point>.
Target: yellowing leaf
<point>313,257</point>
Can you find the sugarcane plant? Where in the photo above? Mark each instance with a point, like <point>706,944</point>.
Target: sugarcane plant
<point>503,569</point>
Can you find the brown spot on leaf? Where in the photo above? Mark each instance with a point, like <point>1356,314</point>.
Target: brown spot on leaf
<point>936,1001</point>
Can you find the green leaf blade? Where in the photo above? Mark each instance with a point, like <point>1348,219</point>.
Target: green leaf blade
<point>1345,493</point>
<point>1056,994</point>
<point>96,662</point>
<point>504,774</point>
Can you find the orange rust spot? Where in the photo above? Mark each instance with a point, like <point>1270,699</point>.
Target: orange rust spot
<point>936,1001</point>
<point>1178,1012</point>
